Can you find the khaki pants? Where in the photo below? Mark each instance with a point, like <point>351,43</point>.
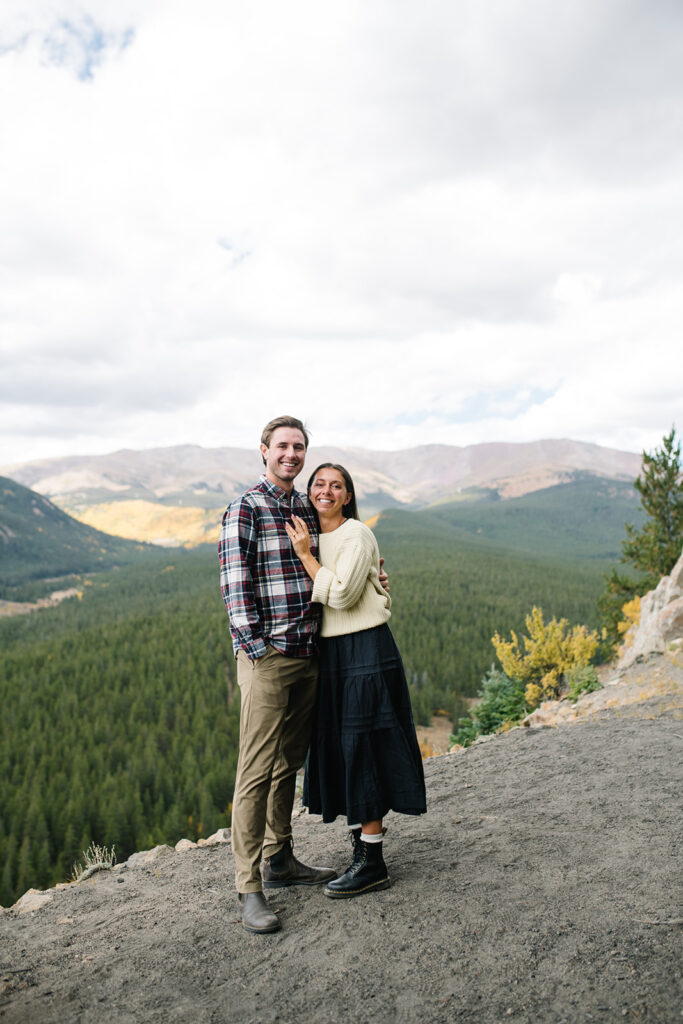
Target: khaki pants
<point>278,698</point>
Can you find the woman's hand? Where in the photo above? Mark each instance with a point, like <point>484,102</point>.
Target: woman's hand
<point>297,531</point>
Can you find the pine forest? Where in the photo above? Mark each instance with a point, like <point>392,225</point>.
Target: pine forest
<point>120,710</point>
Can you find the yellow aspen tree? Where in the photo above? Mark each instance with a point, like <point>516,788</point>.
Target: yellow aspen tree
<point>544,657</point>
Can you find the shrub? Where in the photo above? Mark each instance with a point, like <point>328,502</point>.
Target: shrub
<point>95,858</point>
<point>583,680</point>
<point>631,617</point>
<point>548,654</point>
<point>502,701</point>
<point>531,671</point>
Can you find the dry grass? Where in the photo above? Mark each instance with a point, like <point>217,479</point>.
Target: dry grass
<point>95,858</point>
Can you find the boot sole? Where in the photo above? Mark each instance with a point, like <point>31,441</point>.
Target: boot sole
<point>262,931</point>
<point>334,894</point>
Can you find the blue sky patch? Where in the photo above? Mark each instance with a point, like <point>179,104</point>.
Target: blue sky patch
<point>486,405</point>
<point>81,45</point>
<point>483,405</point>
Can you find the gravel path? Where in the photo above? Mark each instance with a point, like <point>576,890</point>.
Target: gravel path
<point>542,885</point>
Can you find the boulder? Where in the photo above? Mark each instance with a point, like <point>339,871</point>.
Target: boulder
<point>185,844</point>
<point>544,715</point>
<point>222,836</point>
<point>34,899</point>
<point>148,856</point>
<point>661,620</point>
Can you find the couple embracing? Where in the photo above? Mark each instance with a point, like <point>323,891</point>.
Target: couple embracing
<point>318,672</point>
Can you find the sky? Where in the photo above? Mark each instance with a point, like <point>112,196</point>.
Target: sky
<point>406,223</point>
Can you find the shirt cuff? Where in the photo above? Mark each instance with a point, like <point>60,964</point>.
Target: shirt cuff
<point>254,648</point>
<point>321,585</point>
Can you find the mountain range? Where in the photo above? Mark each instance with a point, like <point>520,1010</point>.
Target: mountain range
<point>175,495</point>
<point>38,541</point>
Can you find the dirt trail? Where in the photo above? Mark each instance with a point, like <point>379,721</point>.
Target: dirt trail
<point>542,885</point>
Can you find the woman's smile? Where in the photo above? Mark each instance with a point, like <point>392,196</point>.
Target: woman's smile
<point>328,492</point>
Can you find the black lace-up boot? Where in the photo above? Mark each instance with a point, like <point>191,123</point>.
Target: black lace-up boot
<point>366,873</point>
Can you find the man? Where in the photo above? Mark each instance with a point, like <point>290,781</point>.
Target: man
<point>274,630</point>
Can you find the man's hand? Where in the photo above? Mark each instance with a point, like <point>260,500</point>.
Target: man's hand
<point>383,578</point>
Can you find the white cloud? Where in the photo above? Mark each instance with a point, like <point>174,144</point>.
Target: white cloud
<point>445,222</point>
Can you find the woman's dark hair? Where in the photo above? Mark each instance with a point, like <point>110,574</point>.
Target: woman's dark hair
<point>349,511</point>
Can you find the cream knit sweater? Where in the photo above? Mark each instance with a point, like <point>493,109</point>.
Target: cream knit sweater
<point>347,584</point>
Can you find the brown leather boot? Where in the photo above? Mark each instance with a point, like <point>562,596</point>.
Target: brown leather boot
<point>256,914</point>
<point>284,869</point>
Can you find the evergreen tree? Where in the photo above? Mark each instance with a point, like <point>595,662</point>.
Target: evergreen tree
<point>653,549</point>
<point>8,873</point>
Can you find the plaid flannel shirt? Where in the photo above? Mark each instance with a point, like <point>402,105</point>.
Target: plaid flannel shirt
<point>266,589</point>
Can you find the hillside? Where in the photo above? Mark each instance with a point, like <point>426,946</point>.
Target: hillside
<point>165,525</point>
<point>581,519</point>
<point>459,573</point>
<point>191,485</point>
<point>39,541</point>
<point>540,886</point>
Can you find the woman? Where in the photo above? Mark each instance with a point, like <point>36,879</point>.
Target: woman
<point>364,758</point>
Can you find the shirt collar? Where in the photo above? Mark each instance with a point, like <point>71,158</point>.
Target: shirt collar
<point>278,492</point>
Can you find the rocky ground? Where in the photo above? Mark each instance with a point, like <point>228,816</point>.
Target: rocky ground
<point>542,885</point>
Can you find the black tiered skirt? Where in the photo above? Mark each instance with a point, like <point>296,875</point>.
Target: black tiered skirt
<point>364,759</point>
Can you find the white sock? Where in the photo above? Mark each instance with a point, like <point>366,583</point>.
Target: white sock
<point>372,838</point>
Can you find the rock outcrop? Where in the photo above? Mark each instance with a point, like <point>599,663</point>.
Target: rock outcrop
<point>661,620</point>
<point>658,632</point>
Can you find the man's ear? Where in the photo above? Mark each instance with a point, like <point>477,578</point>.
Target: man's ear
<point>263,449</point>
